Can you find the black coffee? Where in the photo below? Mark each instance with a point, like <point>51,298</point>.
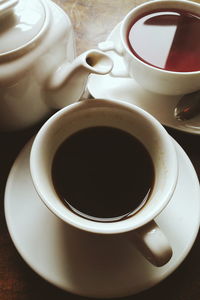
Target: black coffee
<point>102,173</point>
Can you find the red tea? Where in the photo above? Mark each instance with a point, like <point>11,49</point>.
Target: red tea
<point>167,39</point>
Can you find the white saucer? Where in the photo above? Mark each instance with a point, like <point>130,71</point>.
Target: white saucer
<point>127,89</point>
<point>43,240</point>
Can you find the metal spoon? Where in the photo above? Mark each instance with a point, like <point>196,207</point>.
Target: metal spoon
<point>188,106</point>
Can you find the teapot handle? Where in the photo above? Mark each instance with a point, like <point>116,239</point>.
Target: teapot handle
<point>67,83</point>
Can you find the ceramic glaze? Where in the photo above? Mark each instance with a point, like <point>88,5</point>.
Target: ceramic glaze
<point>151,78</point>
<point>127,89</point>
<point>38,69</point>
<point>58,258</point>
<point>148,237</point>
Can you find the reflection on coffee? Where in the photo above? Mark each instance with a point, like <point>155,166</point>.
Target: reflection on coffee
<point>103,173</point>
<point>167,39</point>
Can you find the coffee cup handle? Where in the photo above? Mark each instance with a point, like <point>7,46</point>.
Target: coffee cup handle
<point>153,244</point>
<point>119,69</point>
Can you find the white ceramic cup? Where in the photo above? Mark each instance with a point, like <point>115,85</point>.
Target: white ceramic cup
<point>146,235</point>
<point>150,77</point>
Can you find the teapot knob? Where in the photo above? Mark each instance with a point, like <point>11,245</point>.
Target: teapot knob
<point>6,6</point>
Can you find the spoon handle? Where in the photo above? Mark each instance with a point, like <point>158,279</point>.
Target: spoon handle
<point>188,106</point>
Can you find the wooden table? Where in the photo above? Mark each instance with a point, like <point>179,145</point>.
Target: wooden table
<point>92,21</point>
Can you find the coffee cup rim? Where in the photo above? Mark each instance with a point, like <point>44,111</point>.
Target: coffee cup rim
<point>93,226</point>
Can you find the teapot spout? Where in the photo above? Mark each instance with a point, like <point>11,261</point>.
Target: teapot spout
<point>67,84</point>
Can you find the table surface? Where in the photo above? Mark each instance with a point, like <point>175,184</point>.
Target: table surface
<point>92,21</point>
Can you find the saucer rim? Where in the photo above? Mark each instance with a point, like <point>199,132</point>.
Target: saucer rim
<point>25,257</point>
<point>183,126</point>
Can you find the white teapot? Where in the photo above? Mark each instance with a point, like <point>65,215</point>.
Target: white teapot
<point>38,69</point>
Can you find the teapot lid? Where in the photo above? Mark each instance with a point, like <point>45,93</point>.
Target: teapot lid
<point>22,23</point>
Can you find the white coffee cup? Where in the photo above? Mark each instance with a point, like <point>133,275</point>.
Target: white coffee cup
<point>149,77</point>
<point>147,236</point>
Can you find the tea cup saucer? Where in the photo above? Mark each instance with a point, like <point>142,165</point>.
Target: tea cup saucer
<point>127,89</point>
<point>43,242</point>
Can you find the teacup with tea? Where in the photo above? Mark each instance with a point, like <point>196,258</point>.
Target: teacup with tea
<point>159,41</point>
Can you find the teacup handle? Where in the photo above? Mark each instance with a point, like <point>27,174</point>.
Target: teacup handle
<point>153,244</point>
<point>118,70</point>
